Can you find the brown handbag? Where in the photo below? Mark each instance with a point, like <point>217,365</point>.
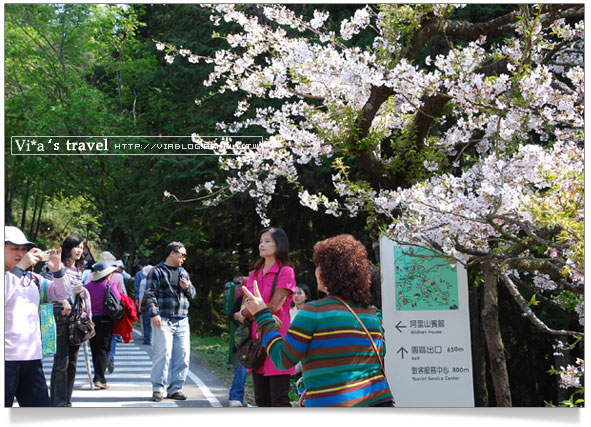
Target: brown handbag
<point>80,328</point>
<point>251,354</point>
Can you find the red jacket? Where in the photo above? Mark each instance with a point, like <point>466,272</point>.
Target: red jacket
<point>124,326</point>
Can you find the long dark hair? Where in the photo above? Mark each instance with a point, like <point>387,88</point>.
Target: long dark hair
<point>282,242</point>
<point>70,243</point>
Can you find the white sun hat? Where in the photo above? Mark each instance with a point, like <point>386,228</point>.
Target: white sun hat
<point>15,236</point>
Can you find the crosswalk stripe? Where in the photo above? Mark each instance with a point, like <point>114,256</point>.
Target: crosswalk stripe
<point>129,385</point>
<point>113,393</point>
<point>138,404</point>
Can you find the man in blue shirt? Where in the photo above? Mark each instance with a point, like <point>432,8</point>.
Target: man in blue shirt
<point>168,294</point>
<point>141,308</point>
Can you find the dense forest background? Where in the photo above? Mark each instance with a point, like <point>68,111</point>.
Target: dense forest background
<point>94,70</point>
<point>85,69</point>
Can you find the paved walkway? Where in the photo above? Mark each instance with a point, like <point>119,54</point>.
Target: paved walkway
<point>130,386</point>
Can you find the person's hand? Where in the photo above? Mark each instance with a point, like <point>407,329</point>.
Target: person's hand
<point>55,260</point>
<point>67,308</point>
<point>184,283</point>
<point>278,323</point>
<point>254,302</point>
<point>239,317</point>
<point>157,321</point>
<point>138,305</point>
<point>30,258</point>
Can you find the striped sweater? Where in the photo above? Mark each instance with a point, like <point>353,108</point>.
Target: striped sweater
<point>339,364</point>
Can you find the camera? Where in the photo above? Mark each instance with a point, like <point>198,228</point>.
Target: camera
<point>44,256</point>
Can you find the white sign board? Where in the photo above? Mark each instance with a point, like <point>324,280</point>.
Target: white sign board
<point>427,323</point>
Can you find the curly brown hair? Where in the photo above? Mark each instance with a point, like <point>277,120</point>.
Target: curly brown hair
<point>344,268</point>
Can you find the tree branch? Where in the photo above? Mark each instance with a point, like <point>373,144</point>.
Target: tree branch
<point>527,311</point>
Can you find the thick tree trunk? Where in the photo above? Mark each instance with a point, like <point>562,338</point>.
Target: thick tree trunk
<point>494,341</point>
<point>478,349</point>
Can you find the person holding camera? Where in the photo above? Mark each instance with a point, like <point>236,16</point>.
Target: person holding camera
<point>23,371</point>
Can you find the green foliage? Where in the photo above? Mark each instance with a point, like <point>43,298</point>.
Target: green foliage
<point>533,301</point>
<point>107,78</point>
<point>563,216</point>
<point>568,300</point>
<point>573,401</point>
<point>401,22</point>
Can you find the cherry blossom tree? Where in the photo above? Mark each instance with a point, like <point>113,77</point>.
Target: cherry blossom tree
<point>474,151</point>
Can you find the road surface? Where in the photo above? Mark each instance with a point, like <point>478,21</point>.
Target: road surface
<point>130,386</point>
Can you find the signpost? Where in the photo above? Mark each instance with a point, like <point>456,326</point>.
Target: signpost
<point>427,323</point>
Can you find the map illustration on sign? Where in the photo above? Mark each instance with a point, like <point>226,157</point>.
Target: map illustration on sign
<point>424,281</point>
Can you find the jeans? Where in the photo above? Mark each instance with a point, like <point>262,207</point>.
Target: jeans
<point>147,326</point>
<point>63,373</point>
<point>113,348</point>
<point>100,346</point>
<point>24,379</point>
<point>237,389</point>
<point>172,349</point>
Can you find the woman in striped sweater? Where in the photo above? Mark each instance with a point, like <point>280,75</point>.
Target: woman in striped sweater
<point>340,363</point>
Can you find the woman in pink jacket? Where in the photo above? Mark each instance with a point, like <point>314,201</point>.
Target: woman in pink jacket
<point>271,385</point>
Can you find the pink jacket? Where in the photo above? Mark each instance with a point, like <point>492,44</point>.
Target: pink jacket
<point>285,280</point>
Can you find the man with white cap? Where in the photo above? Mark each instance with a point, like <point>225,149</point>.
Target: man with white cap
<point>23,371</point>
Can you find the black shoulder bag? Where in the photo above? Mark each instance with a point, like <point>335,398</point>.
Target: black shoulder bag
<point>112,307</point>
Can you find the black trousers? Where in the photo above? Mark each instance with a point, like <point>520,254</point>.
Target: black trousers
<point>24,379</point>
<point>63,373</point>
<point>100,346</point>
<point>272,390</point>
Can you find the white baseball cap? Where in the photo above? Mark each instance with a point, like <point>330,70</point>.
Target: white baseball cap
<point>15,236</point>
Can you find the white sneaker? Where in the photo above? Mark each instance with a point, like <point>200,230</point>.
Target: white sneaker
<point>235,403</point>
